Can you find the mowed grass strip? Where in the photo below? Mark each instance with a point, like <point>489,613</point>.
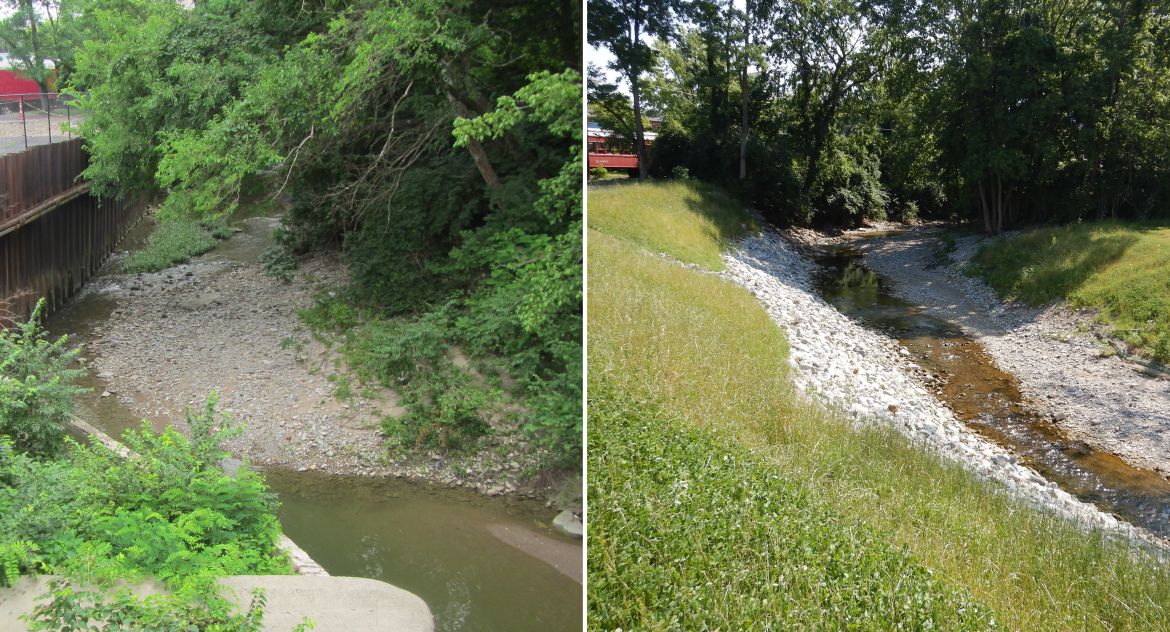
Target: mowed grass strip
<point>696,533</point>
<point>669,344</point>
<point>1120,269</point>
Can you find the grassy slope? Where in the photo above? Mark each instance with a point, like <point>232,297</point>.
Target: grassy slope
<point>1121,269</point>
<point>680,349</point>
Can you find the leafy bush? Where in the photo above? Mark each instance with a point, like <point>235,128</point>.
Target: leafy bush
<point>598,173</point>
<point>174,242</point>
<point>279,263</point>
<point>69,607</point>
<point>167,512</point>
<point>679,172</point>
<point>36,386</point>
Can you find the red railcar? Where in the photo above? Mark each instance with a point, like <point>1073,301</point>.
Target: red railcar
<point>612,154</point>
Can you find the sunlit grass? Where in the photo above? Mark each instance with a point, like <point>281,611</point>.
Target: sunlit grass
<point>1121,269</point>
<point>668,345</point>
<point>690,221</point>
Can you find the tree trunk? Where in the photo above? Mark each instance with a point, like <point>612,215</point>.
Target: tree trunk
<point>984,209</point>
<point>743,94</point>
<point>478,154</point>
<point>636,94</point>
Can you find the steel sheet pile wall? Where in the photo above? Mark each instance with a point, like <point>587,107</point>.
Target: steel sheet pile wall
<point>53,234</point>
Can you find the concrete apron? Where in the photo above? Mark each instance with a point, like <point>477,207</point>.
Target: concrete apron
<point>341,604</point>
<point>345,604</point>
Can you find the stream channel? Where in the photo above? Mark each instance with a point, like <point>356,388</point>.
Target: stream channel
<point>964,377</point>
<point>481,564</point>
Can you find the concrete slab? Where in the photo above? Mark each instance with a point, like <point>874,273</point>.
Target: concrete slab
<point>335,604</point>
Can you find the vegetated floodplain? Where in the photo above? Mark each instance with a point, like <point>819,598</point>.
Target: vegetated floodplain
<point>1121,269</point>
<point>681,356</point>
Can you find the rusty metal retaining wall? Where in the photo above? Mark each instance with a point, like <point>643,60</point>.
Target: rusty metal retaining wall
<point>54,235</point>
<point>37,175</point>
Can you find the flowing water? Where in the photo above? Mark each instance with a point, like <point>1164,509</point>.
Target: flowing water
<point>988,400</point>
<point>481,564</point>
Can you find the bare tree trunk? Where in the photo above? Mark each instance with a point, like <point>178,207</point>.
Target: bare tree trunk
<point>984,209</point>
<point>636,94</point>
<point>743,93</point>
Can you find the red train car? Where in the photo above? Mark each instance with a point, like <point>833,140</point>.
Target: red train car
<point>610,153</point>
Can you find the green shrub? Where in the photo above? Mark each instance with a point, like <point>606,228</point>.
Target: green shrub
<point>680,172</point>
<point>168,512</point>
<point>279,263</point>
<point>174,242</point>
<point>36,386</point>
<point>70,607</point>
<point>598,173</point>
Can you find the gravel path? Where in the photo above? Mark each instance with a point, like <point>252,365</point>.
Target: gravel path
<point>870,376</point>
<point>219,323</point>
<point>1101,400</point>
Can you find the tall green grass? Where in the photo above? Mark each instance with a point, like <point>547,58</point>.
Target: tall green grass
<point>1120,269</point>
<point>677,350</point>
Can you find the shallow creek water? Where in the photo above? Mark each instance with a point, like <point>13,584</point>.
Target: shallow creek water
<point>988,400</point>
<point>481,564</point>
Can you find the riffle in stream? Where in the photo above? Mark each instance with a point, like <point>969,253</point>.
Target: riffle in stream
<point>988,400</point>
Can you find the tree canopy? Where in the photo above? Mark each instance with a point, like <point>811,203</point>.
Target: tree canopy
<point>1003,112</point>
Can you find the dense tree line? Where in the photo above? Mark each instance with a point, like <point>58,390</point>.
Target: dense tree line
<point>436,143</point>
<point>1003,112</point>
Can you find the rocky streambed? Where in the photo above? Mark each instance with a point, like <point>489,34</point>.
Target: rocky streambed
<point>872,378</point>
<point>159,343</point>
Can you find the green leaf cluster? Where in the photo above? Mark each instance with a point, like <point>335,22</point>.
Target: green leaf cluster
<point>167,511</point>
<point>36,386</point>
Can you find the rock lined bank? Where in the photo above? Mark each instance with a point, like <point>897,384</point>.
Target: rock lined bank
<point>1099,398</point>
<point>871,378</point>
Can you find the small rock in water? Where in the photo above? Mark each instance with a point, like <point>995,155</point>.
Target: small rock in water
<point>106,393</point>
<point>567,523</point>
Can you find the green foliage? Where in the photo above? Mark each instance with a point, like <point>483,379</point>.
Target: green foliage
<point>692,531</point>
<point>279,263</point>
<point>598,173</point>
<point>172,243</point>
<point>1002,112</point>
<point>167,512</point>
<point>69,607</point>
<point>36,386</point>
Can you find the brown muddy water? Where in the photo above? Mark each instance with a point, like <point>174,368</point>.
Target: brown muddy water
<point>988,400</point>
<point>481,564</point>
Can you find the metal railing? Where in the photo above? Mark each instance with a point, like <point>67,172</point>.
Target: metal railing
<point>33,119</point>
